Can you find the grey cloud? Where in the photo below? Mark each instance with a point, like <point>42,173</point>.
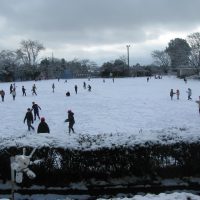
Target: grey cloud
<point>95,22</point>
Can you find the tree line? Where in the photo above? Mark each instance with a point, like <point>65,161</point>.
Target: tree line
<point>24,63</point>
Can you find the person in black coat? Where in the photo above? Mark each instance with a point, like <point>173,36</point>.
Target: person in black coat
<point>11,88</point>
<point>70,120</point>
<point>2,93</point>
<point>43,126</point>
<point>23,91</point>
<point>35,109</point>
<point>89,88</point>
<point>29,119</point>
<point>68,94</point>
<point>76,88</point>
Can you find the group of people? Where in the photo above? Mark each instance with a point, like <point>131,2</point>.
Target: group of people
<point>189,92</point>
<point>172,94</point>
<point>43,126</point>
<point>76,89</point>
<point>29,116</point>
<point>13,91</point>
<point>89,86</point>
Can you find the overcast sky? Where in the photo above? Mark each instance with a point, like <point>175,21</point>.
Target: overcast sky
<point>98,29</point>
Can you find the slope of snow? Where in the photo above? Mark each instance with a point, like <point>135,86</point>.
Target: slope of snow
<point>126,112</point>
<point>161,196</point>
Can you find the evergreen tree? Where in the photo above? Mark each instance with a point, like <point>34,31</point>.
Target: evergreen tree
<point>179,52</point>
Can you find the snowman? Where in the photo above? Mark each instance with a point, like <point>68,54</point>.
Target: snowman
<point>20,165</point>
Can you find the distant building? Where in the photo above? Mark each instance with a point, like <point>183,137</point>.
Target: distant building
<point>184,72</point>
<point>66,74</point>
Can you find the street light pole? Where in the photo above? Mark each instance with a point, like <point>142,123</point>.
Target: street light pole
<point>128,46</point>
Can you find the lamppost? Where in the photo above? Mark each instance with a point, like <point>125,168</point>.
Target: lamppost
<point>128,46</point>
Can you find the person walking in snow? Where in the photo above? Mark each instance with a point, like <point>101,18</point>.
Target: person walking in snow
<point>43,126</point>
<point>2,93</point>
<point>84,85</point>
<point>76,88</point>
<point>185,80</point>
<point>35,109</point>
<point>23,91</point>
<point>171,94</point>
<point>13,93</point>
<point>34,90</point>
<point>177,94</point>
<point>89,88</point>
<point>53,87</point>
<point>11,88</point>
<point>29,119</point>
<point>198,102</point>
<point>189,91</point>
<point>70,120</point>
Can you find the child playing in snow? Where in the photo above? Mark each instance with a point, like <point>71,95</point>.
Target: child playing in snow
<point>189,93</point>
<point>177,94</point>
<point>172,93</point>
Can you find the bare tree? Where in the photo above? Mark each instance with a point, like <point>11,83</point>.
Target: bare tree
<point>194,42</point>
<point>29,51</point>
<point>8,64</point>
<point>161,58</point>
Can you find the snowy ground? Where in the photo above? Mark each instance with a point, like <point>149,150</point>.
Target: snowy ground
<point>162,196</point>
<point>128,111</point>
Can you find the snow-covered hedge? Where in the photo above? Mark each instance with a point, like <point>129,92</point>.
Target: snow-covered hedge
<point>60,166</point>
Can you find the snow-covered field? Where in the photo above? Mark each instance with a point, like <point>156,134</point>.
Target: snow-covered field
<point>126,112</point>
